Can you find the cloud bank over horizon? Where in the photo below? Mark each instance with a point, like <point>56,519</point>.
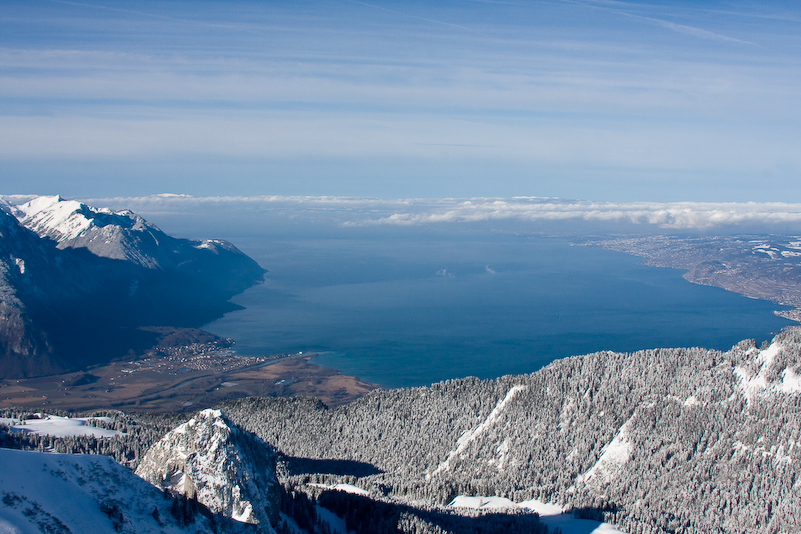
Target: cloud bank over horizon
<point>356,212</point>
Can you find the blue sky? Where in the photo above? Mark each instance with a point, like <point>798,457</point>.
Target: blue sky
<point>598,100</point>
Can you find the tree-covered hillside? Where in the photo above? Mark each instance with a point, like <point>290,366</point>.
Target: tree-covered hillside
<point>667,440</point>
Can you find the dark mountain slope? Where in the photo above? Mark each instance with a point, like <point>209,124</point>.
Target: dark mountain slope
<point>25,349</point>
<point>76,285</point>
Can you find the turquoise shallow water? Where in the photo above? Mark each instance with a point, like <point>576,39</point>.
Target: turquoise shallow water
<point>401,310</point>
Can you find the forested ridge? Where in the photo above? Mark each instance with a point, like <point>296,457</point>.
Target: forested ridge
<point>666,440</point>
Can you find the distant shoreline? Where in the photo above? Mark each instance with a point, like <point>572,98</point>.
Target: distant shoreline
<point>759,267</point>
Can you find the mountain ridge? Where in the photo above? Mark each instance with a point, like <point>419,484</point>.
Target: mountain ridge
<point>663,440</point>
<point>76,283</point>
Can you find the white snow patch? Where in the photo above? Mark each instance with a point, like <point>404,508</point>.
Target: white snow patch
<point>542,508</point>
<point>691,401</point>
<point>60,427</point>
<point>20,263</point>
<point>551,515</point>
<point>613,456</point>
<point>759,383</point>
<point>470,435</point>
<point>791,382</point>
<point>347,488</point>
<point>42,488</point>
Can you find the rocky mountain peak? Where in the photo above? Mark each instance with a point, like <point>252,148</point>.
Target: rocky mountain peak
<point>121,235</point>
<point>228,470</point>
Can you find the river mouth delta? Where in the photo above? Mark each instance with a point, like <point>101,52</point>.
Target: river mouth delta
<point>183,383</point>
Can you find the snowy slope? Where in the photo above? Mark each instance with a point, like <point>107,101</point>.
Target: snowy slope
<point>24,348</point>
<point>42,492</point>
<point>228,470</point>
<point>120,235</point>
<point>614,454</point>
<point>765,375</point>
<point>60,427</point>
<point>468,437</point>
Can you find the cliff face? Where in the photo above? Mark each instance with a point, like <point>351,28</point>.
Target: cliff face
<point>25,349</point>
<point>76,283</point>
<point>228,470</point>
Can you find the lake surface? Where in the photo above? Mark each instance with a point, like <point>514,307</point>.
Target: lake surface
<point>406,307</point>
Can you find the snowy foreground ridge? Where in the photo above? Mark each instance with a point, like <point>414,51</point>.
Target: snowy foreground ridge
<point>78,493</point>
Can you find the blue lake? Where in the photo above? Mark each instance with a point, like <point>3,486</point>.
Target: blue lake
<point>402,308</point>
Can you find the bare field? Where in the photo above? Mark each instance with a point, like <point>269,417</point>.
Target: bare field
<point>183,383</point>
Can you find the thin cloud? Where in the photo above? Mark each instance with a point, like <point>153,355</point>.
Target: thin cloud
<point>533,99</point>
<point>358,212</point>
<point>113,9</point>
<point>689,30</point>
<point>680,28</point>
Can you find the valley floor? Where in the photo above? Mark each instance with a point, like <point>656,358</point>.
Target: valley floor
<point>183,383</point>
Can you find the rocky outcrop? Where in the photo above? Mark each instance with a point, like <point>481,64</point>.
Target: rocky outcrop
<point>226,469</point>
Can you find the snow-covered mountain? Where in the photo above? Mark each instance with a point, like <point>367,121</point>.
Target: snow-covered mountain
<point>123,235</point>
<point>48,492</point>
<point>76,282</point>
<point>228,470</point>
